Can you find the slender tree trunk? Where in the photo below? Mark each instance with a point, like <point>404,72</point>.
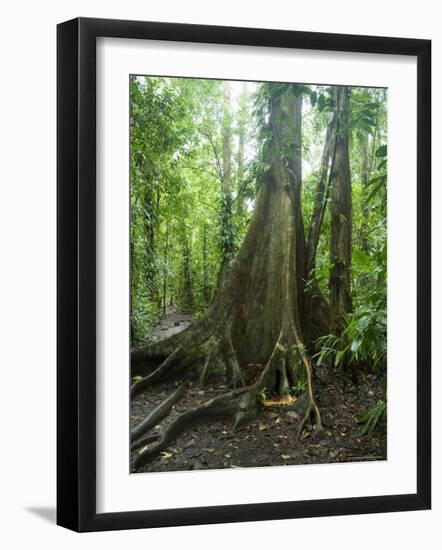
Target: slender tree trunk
<point>341,220</point>
<point>315,304</point>
<point>239,210</point>
<point>373,145</point>
<point>364,171</point>
<point>205,268</point>
<point>227,237</point>
<point>320,198</point>
<point>165,268</point>
<point>151,205</point>
<point>132,282</point>
<point>187,288</point>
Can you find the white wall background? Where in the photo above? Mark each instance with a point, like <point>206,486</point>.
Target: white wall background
<point>27,274</point>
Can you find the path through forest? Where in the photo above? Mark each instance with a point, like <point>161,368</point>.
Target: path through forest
<point>171,323</point>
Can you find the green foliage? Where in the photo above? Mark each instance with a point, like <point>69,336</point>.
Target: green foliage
<point>177,222</point>
<point>378,183</point>
<point>299,387</point>
<point>362,341</point>
<point>373,417</point>
<point>263,394</point>
<point>363,111</point>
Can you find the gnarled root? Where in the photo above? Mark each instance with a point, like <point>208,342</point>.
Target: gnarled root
<point>142,384</point>
<point>229,405</point>
<point>158,413</point>
<point>238,405</point>
<point>205,369</point>
<point>312,411</point>
<point>232,361</point>
<point>145,440</point>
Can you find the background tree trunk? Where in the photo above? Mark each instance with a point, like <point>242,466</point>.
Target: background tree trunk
<point>165,268</point>
<point>341,220</point>
<point>239,207</point>
<point>365,178</point>
<point>227,236</point>
<point>187,301</point>
<point>205,271</point>
<point>316,310</point>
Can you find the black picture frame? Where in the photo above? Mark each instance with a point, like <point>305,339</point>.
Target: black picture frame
<point>76,274</point>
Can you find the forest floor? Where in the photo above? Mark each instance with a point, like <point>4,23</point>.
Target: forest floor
<point>171,323</point>
<point>268,440</point>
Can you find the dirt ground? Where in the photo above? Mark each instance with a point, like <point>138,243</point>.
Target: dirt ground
<point>270,439</point>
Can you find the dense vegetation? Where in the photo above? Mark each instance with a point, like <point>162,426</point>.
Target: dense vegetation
<point>260,209</point>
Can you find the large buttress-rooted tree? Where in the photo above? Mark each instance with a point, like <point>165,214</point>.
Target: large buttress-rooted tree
<point>252,335</point>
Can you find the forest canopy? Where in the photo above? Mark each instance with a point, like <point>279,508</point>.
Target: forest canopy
<point>259,211</point>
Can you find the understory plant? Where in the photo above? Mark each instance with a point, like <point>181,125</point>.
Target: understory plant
<point>363,340</point>
<point>373,417</point>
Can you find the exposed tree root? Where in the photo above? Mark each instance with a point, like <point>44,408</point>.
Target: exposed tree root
<point>159,412</point>
<point>205,369</point>
<point>232,361</point>
<point>239,405</point>
<point>143,441</point>
<point>142,384</point>
<point>223,406</point>
<point>312,408</point>
<point>312,413</point>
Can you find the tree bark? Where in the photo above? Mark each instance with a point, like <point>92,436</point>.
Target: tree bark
<point>316,309</point>
<point>341,220</point>
<point>365,178</point>
<point>227,237</point>
<point>205,271</point>
<point>294,127</point>
<point>239,206</point>
<point>320,198</point>
<point>165,268</point>
<point>187,301</point>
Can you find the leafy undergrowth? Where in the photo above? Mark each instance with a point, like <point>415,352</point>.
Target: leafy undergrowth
<point>269,440</point>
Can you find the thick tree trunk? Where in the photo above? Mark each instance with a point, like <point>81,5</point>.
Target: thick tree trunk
<point>295,177</point>
<point>261,293</point>
<point>341,220</point>
<point>254,323</point>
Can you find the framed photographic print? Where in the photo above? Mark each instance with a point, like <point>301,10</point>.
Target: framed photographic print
<point>243,274</point>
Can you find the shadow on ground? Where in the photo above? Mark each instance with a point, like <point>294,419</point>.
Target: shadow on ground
<point>46,513</point>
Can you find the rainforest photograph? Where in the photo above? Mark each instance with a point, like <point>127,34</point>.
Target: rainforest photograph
<point>258,273</point>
